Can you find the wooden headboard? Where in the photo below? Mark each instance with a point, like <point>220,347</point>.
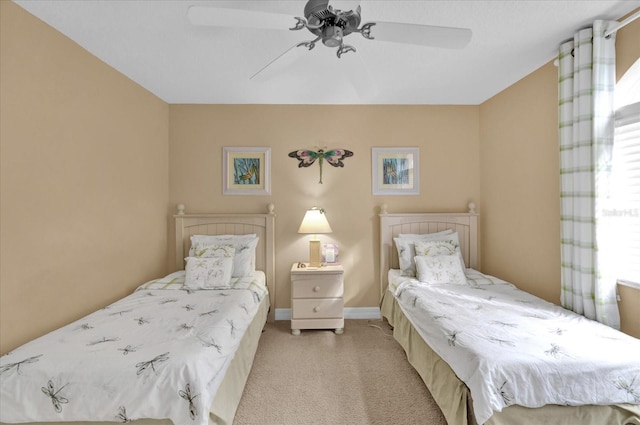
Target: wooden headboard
<point>262,225</point>
<point>466,224</point>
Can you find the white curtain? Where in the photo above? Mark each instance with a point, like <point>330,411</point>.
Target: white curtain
<point>586,118</point>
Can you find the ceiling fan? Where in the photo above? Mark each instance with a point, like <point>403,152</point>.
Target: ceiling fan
<point>331,26</point>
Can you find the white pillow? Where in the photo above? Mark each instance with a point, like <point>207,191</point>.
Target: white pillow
<point>244,260</point>
<point>213,250</point>
<point>445,247</point>
<point>422,235</point>
<point>440,269</point>
<point>208,273</point>
<point>218,239</point>
<point>436,247</point>
<point>406,248</point>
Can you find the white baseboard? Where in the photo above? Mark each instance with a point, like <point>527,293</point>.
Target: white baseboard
<point>349,313</point>
<point>283,314</point>
<point>362,313</point>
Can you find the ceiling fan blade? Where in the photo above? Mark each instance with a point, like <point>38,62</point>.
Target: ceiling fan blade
<point>422,35</point>
<point>238,18</point>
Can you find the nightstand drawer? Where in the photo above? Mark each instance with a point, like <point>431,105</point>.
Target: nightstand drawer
<point>317,308</point>
<point>313,287</point>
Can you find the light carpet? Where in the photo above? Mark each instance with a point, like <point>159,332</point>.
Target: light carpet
<point>360,377</point>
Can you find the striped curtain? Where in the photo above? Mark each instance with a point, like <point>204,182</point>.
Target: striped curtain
<point>586,118</point>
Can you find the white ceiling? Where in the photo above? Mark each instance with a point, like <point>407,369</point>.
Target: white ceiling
<point>154,44</point>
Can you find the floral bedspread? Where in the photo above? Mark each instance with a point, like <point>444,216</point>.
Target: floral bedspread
<point>158,353</point>
<point>510,347</point>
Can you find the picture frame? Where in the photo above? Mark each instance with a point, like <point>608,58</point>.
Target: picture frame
<point>395,171</point>
<point>246,171</point>
<point>330,254</point>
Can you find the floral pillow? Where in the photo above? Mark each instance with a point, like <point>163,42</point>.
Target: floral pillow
<point>219,239</point>
<point>208,272</point>
<point>244,259</point>
<point>440,269</point>
<point>446,247</point>
<point>213,250</point>
<point>406,248</point>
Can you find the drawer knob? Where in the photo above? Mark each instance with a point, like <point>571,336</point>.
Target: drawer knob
<point>316,309</point>
<point>316,289</point>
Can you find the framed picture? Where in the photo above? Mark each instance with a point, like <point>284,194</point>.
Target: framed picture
<point>246,171</point>
<point>329,253</point>
<point>395,171</point>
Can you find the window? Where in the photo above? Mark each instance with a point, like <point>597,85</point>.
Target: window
<point>621,213</point>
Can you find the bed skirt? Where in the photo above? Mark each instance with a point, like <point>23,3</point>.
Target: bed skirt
<point>227,398</point>
<point>454,398</point>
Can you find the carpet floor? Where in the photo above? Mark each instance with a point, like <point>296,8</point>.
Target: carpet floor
<point>360,377</point>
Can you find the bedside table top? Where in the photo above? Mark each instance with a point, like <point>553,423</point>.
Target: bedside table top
<point>334,268</point>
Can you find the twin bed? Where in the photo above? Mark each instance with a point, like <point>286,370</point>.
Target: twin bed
<point>177,350</point>
<point>486,349</point>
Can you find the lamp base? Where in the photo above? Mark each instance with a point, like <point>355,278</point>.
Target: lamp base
<point>315,254</point>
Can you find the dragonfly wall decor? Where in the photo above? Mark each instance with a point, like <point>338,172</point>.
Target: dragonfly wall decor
<point>334,157</point>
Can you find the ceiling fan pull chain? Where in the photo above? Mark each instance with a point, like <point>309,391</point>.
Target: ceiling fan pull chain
<point>365,30</point>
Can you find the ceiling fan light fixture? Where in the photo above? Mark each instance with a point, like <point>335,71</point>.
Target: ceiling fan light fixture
<point>332,36</point>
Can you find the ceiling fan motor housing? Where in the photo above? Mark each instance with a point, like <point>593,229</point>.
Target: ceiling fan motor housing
<point>332,36</point>
<point>331,24</point>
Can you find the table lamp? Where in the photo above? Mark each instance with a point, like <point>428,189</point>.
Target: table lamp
<point>314,223</point>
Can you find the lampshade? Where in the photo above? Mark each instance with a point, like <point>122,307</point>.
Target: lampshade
<point>315,222</point>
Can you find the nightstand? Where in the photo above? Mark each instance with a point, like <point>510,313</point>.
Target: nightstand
<point>317,298</point>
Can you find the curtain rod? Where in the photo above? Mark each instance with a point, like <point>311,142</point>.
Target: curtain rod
<point>623,23</point>
<point>613,30</point>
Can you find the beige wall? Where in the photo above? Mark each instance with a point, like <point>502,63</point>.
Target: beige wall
<point>449,162</point>
<point>627,46</point>
<point>520,184</point>
<point>84,180</point>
